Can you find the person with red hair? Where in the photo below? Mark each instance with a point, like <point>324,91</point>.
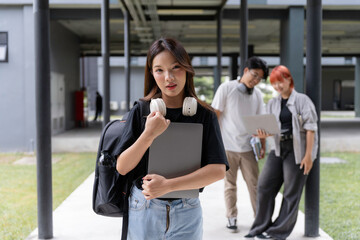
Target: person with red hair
<point>290,162</point>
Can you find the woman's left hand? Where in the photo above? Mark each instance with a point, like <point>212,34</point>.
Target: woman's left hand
<point>154,186</point>
<point>262,152</point>
<point>262,134</point>
<point>307,164</point>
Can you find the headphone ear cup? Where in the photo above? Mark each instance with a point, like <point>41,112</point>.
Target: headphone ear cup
<point>158,105</point>
<point>241,87</point>
<point>189,106</point>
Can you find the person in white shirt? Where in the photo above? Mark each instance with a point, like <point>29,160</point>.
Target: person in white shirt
<point>233,100</point>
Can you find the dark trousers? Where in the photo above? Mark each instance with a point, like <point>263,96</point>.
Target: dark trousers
<point>276,172</point>
<point>97,114</point>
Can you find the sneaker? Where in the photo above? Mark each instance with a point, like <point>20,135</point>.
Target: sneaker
<point>232,224</point>
<point>248,236</point>
<point>263,235</point>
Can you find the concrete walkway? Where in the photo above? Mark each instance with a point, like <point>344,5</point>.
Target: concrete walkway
<point>340,135</point>
<point>75,220</point>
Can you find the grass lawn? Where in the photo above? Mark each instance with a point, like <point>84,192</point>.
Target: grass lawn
<point>18,197</point>
<point>340,197</point>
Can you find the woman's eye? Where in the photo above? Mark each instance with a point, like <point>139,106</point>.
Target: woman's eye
<point>176,67</point>
<point>158,70</point>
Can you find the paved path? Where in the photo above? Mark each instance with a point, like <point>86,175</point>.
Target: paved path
<point>75,220</point>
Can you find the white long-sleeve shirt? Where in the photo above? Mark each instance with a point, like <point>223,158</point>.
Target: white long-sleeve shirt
<point>304,118</point>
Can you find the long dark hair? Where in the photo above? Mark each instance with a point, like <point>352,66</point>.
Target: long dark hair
<point>151,89</point>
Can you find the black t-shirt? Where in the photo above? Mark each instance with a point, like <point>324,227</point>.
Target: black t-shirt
<point>285,118</point>
<point>212,147</point>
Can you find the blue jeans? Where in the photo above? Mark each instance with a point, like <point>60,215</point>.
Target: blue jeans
<point>160,219</point>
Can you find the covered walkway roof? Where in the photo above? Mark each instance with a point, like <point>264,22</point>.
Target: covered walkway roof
<point>194,23</point>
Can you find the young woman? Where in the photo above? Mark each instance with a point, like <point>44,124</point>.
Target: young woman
<point>169,76</point>
<point>290,162</point>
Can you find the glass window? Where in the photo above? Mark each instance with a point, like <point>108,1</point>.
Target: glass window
<point>3,47</point>
<point>3,53</point>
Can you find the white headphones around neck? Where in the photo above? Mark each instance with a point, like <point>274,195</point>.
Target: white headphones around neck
<point>189,106</point>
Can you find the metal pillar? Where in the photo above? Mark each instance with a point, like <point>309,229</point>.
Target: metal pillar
<point>313,90</point>
<point>250,50</point>
<point>357,87</point>
<point>233,68</point>
<point>244,16</point>
<point>127,55</point>
<point>106,60</point>
<point>217,78</point>
<point>292,45</point>
<point>43,119</point>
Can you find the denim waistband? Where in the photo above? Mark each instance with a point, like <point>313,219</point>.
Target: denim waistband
<point>137,192</point>
<point>138,182</point>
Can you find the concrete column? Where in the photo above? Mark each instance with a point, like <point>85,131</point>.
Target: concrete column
<point>357,88</point>
<point>292,45</point>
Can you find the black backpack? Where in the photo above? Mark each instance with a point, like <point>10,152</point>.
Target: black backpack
<point>111,190</point>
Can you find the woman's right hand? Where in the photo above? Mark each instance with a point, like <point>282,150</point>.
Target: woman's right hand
<point>156,124</point>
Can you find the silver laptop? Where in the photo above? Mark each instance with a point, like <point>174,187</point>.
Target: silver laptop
<point>266,121</point>
<point>177,152</point>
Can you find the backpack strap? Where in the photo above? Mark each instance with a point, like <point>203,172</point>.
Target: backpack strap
<point>144,111</point>
<point>125,223</point>
<point>144,108</point>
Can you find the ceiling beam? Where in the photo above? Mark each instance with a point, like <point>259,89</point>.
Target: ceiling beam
<point>187,17</point>
<point>229,14</point>
<point>120,53</point>
<point>189,7</point>
<point>351,15</point>
<point>82,14</point>
<point>233,14</point>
